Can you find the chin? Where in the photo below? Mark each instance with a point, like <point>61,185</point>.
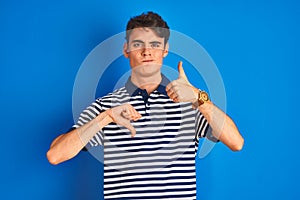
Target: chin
<point>147,69</point>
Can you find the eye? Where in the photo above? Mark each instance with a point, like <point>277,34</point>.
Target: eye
<point>155,45</point>
<point>137,45</point>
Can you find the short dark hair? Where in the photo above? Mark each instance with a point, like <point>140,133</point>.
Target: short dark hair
<point>149,20</point>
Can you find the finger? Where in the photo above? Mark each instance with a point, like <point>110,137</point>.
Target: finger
<point>172,95</point>
<point>172,87</point>
<point>126,123</point>
<point>181,71</point>
<point>137,116</point>
<point>134,114</point>
<point>173,92</point>
<point>169,86</point>
<point>175,99</point>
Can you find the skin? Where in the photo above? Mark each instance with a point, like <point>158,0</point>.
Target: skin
<point>224,129</point>
<point>145,52</point>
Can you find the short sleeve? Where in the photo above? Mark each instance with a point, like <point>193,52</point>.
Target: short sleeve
<point>203,129</point>
<point>87,115</point>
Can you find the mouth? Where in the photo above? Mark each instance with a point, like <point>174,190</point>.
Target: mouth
<point>147,61</point>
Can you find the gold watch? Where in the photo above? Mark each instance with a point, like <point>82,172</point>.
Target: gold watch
<point>202,97</point>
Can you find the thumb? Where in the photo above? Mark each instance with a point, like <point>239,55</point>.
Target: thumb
<point>181,71</point>
<point>130,128</point>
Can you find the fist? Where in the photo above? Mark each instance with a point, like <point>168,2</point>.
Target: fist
<point>123,114</point>
<point>181,90</point>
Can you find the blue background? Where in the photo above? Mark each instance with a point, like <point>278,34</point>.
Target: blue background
<point>255,45</point>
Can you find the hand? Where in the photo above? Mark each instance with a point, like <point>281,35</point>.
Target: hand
<point>181,90</point>
<point>122,116</point>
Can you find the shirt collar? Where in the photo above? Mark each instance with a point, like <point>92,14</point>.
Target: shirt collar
<point>134,90</point>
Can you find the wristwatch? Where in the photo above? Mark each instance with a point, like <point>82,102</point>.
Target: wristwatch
<point>202,97</point>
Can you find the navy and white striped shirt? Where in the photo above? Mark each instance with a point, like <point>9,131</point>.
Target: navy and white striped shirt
<point>159,162</point>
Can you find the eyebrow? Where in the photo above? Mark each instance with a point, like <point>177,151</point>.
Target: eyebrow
<point>155,42</point>
<point>140,41</point>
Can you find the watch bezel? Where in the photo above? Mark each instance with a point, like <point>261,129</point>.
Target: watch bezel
<point>202,100</point>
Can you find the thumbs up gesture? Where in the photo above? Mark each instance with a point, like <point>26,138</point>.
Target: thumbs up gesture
<point>181,90</point>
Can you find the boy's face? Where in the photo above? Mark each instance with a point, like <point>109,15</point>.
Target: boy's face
<point>145,50</point>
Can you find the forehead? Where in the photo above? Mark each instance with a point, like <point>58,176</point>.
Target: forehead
<point>144,34</point>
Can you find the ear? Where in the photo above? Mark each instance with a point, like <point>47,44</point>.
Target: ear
<point>166,50</point>
<point>125,50</point>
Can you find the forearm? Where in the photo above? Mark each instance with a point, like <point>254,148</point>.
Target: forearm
<point>68,145</point>
<point>223,127</point>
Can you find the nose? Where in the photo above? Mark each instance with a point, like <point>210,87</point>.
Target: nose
<point>146,51</point>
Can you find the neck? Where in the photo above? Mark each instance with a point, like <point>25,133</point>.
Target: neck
<point>147,83</point>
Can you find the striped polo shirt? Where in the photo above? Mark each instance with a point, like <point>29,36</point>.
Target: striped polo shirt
<point>159,162</point>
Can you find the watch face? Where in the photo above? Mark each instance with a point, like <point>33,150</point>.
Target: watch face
<point>204,96</point>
